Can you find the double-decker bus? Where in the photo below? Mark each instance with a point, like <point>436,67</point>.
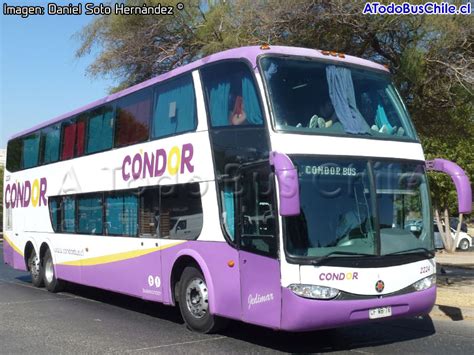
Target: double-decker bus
<point>284,187</point>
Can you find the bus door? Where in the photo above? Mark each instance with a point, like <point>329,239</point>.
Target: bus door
<point>258,244</point>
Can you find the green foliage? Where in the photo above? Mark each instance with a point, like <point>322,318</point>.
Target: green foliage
<point>431,57</point>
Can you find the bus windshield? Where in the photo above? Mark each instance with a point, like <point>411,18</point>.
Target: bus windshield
<point>357,206</point>
<point>310,96</point>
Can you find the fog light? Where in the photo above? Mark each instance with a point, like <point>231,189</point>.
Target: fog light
<point>425,283</point>
<point>314,291</point>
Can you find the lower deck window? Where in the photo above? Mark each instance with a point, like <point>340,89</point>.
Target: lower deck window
<point>172,212</point>
<point>89,215</point>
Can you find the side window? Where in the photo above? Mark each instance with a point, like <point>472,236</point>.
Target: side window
<point>150,213</point>
<point>51,138</point>
<point>121,214</point>
<point>175,107</point>
<point>30,151</point>
<point>100,130</point>
<point>55,213</point>
<point>257,212</point>
<point>231,95</point>
<point>14,155</point>
<point>180,214</point>
<point>68,212</point>
<point>89,210</point>
<point>73,139</point>
<point>133,118</point>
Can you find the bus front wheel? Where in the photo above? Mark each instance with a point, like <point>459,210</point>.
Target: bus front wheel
<point>49,276</point>
<point>194,302</point>
<point>34,266</point>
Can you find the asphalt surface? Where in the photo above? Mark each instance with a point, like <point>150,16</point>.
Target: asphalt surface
<point>87,320</point>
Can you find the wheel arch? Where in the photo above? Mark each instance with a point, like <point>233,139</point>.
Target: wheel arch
<point>189,257</point>
<point>29,247</point>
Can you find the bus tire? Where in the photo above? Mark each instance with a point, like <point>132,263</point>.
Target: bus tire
<point>194,303</point>
<point>50,281</point>
<point>34,266</point>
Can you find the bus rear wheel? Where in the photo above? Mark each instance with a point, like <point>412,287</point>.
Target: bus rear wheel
<point>34,266</point>
<point>49,276</point>
<point>194,303</point>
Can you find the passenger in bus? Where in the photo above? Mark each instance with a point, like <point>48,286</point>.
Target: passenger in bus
<point>238,115</point>
<point>327,117</point>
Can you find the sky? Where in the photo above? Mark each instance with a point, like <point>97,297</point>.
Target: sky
<point>40,77</point>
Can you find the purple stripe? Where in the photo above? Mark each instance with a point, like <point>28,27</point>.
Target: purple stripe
<point>249,53</point>
<point>131,276</point>
<point>12,257</point>
<point>301,314</point>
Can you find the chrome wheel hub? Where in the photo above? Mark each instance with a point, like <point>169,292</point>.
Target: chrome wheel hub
<point>197,298</point>
<point>35,266</point>
<point>49,271</point>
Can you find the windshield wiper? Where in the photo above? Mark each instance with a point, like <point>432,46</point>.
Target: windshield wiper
<point>425,251</point>
<point>334,253</point>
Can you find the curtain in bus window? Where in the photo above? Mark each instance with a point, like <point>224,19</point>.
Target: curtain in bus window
<point>229,211</point>
<point>90,215</point>
<point>51,139</point>
<point>69,213</point>
<point>55,210</point>
<point>130,215</point>
<point>69,140</point>
<point>30,151</point>
<point>219,104</point>
<point>100,132</point>
<point>81,130</point>
<point>341,92</point>
<point>382,120</point>
<point>251,105</point>
<point>175,108</point>
<point>122,215</point>
<point>133,117</point>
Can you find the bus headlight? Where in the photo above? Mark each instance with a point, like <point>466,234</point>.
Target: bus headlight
<point>425,283</point>
<point>314,291</point>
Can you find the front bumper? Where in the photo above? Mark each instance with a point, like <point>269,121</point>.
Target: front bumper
<point>302,314</point>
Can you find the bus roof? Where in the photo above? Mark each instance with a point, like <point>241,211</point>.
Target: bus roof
<point>249,53</point>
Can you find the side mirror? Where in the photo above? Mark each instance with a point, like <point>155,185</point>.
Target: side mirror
<point>288,185</point>
<point>460,179</point>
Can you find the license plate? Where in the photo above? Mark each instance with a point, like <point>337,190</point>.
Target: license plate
<point>381,312</point>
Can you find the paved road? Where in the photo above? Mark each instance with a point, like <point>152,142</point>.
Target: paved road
<point>85,320</point>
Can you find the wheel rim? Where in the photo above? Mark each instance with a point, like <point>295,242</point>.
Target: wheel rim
<point>49,271</point>
<point>464,244</point>
<point>34,266</point>
<point>197,298</point>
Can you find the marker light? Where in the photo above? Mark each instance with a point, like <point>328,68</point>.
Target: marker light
<point>425,283</point>
<point>334,54</point>
<point>314,291</point>
<point>265,46</point>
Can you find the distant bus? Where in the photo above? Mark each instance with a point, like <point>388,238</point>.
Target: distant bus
<point>280,186</point>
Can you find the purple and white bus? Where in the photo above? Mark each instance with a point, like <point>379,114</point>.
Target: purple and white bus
<point>284,187</point>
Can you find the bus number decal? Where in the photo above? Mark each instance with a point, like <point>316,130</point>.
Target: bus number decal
<point>425,269</point>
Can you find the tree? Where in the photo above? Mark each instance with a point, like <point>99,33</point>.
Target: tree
<point>430,57</point>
